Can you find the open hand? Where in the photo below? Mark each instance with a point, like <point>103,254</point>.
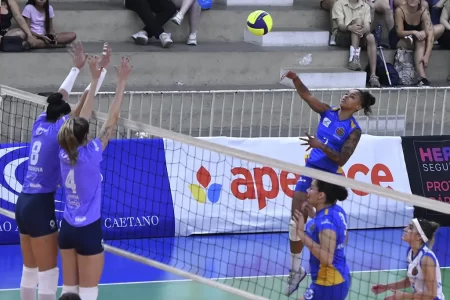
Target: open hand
<point>78,56</point>
<point>93,67</point>
<point>124,70</point>
<point>379,288</point>
<point>311,142</point>
<point>106,56</point>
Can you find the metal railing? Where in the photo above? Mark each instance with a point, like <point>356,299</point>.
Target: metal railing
<point>261,113</point>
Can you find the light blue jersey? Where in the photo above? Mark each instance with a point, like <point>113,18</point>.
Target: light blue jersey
<point>43,172</point>
<point>82,183</point>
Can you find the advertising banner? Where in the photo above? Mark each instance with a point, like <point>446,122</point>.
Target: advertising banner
<point>428,161</point>
<point>215,193</point>
<point>137,201</point>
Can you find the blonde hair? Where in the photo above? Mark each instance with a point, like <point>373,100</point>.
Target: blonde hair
<point>68,141</point>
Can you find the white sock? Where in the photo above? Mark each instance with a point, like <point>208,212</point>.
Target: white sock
<point>352,53</point>
<point>46,297</point>
<point>69,289</point>
<point>296,261</point>
<point>358,51</point>
<point>28,283</point>
<point>88,293</point>
<point>48,284</point>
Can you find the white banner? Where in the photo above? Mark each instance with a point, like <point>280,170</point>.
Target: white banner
<point>215,193</point>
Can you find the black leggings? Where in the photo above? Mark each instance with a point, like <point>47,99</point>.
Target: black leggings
<point>154,14</point>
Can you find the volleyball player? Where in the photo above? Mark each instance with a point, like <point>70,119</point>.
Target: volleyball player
<point>80,237</point>
<point>325,236</point>
<point>424,274</point>
<point>336,139</point>
<point>35,207</point>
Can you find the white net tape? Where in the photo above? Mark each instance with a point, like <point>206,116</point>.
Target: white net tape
<point>147,130</point>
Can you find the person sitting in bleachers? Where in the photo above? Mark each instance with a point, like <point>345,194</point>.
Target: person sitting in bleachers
<point>444,40</point>
<point>154,14</point>
<point>380,7</point>
<point>352,29</point>
<point>414,30</point>
<point>39,15</point>
<point>194,10</point>
<point>10,10</point>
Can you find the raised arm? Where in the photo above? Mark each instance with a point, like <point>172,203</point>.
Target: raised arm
<point>21,22</point>
<point>103,63</point>
<point>114,110</point>
<point>86,110</point>
<point>314,103</point>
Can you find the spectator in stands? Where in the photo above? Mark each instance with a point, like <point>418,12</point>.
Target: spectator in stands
<point>39,15</point>
<point>352,26</point>
<point>69,296</point>
<point>9,10</point>
<point>381,7</point>
<point>414,30</point>
<point>444,40</point>
<point>154,14</point>
<point>194,10</point>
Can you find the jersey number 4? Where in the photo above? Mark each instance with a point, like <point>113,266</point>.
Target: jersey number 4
<point>70,182</point>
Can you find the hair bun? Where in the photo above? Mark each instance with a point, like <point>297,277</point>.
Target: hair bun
<point>55,99</point>
<point>371,100</point>
<point>341,193</point>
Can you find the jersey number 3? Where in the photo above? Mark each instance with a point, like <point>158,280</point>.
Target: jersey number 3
<point>344,222</point>
<point>34,156</point>
<point>70,182</point>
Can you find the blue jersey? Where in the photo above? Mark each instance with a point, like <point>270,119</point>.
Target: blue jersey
<point>43,172</point>
<point>333,133</point>
<point>331,218</point>
<point>82,183</point>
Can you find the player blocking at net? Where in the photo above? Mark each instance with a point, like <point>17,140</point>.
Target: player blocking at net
<point>80,237</point>
<point>325,236</point>
<point>336,139</point>
<point>35,207</point>
<point>423,273</point>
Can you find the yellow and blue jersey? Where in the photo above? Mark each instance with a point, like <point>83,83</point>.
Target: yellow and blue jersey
<point>332,132</point>
<point>329,282</point>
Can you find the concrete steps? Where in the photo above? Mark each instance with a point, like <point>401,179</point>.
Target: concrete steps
<point>317,78</point>
<point>210,64</point>
<point>222,24</point>
<point>289,37</point>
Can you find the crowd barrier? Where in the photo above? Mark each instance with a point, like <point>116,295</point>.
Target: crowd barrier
<point>176,190</point>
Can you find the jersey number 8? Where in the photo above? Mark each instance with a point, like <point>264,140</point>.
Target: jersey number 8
<point>70,182</point>
<point>34,156</point>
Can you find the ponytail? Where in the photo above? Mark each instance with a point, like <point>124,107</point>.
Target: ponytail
<point>68,141</point>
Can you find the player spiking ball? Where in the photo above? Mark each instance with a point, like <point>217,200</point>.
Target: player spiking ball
<point>336,139</point>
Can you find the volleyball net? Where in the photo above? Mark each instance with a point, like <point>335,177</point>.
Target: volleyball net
<point>217,210</point>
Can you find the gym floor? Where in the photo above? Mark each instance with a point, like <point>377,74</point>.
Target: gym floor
<point>257,263</point>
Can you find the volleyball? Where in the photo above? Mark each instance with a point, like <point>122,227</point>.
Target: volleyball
<point>259,23</point>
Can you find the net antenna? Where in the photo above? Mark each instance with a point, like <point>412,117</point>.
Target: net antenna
<point>148,130</point>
